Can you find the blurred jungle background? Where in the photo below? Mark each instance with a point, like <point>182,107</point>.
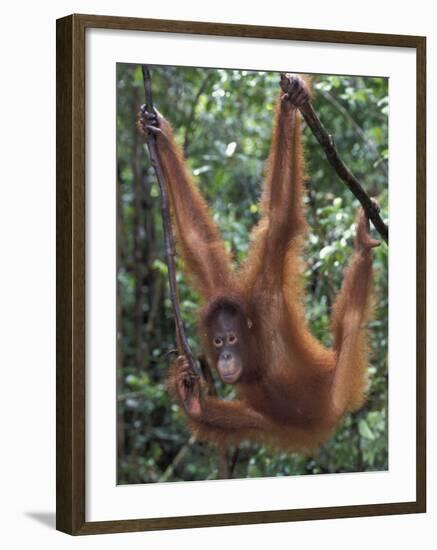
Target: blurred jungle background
<point>223,119</point>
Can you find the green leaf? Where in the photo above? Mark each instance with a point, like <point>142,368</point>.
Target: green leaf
<point>365,430</point>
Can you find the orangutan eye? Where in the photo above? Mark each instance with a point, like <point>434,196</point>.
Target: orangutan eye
<point>232,338</point>
<point>218,342</point>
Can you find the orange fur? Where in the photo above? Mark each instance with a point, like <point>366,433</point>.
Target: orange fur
<point>293,391</point>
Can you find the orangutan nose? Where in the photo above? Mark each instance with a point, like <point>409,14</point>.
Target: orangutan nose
<point>226,356</point>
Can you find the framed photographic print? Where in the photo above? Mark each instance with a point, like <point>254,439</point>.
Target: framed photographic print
<point>240,339</point>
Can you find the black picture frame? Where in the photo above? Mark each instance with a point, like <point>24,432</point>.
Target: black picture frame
<point>71,283</point>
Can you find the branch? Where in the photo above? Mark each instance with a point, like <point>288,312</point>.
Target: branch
<point>225,469</point>
<point>177,459</point>
<point>381,163</point>
<point>181,339</point>
<point>327,143</point>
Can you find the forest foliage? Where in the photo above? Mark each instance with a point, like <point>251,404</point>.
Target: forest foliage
<point>223,119</point>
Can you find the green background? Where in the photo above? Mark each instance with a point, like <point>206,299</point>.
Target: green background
<point>223,119</point>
